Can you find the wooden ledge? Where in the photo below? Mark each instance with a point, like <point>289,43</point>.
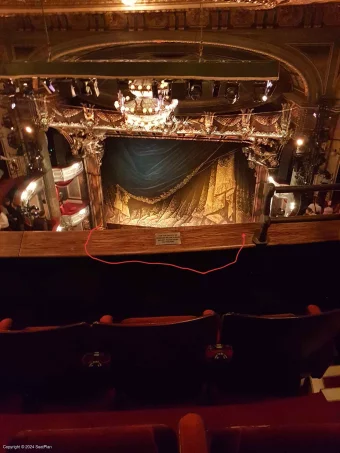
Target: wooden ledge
<point>142,241</point>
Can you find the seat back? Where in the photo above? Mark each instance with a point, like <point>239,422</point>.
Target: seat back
<point>279,439</point>
<point>122,439</point>
<point>155,353</point>
<point>37,353</point>
<point>302,343</point>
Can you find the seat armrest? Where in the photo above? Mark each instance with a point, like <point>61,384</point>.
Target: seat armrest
<point>192,435</point>
<point>313,310</point>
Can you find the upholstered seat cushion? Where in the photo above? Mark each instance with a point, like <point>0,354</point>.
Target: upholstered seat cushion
<point>125,439</point>
<point>282,439</point>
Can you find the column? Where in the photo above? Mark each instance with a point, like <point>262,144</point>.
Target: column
<point>50,190</point>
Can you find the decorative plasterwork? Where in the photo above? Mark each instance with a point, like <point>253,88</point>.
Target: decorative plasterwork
<point>51,6</point>
<point>242,127</point>
<point>189,18</point>
<point>68,173</point>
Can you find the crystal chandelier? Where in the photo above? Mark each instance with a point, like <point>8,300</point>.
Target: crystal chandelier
<point>145,111</point>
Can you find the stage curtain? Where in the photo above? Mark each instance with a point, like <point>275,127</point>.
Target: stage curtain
<point>152,170</point>
<point>213,195</point>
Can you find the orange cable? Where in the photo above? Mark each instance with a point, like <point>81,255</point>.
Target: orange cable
<point>163,264</point>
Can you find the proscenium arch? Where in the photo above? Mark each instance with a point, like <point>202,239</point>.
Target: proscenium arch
<point>293,60</point>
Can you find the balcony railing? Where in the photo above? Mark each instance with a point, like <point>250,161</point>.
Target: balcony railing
<point>260,236</point>
<point>67,173</point>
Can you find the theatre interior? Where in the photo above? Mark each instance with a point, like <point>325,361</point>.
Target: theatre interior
<point>170,226</point>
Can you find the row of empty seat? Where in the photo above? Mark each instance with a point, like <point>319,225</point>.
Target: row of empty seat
<point>192,437</point>
<point>164,353</point>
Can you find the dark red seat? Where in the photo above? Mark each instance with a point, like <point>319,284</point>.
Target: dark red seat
<point>278,439</point>
<point>122,439</point>
<point>35,354</point>
<point>157,355</point>
<point>320,438</point>
<point>285,348</point>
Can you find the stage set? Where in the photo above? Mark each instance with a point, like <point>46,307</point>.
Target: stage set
<point>177,171</point>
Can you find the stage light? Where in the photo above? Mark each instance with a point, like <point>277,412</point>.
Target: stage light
<point>129,2</point>
<point>232,93</point>
<point>300,141</point>
<point>49,86</point>
<point>73,89</point>
<point>28,129</point>
<point>24,195</point>
<point>13,105</point>
<point>95,87</point>
<point>264,98</point>
<point>31,186</point>
<point>195,90</point>
<point>148,87</point>
<point>315,114</point>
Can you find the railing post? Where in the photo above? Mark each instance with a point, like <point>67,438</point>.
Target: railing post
<point>260,236</point>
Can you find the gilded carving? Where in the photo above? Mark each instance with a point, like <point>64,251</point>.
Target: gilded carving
<point>156,20</point>
<point>78,21</point>
<point>290,16</point>
<point>196,18</point>
<point>115,21</point>
<point>332,15</point>
<point>242,18</point>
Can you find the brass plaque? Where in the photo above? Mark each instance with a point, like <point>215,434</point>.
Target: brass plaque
<point>168,238</point>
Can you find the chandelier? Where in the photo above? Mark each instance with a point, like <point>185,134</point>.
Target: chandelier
<point>149,107</point>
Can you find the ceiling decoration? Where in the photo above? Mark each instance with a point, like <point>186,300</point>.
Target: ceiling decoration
<point>26,6</point>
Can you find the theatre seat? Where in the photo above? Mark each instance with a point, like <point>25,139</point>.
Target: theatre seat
<point>121,439</point>
<point>272,347</point>
<point>6,324</point>
<point>320,438</point>
<point>158,355</point>
<point>32,355</point>
<point>279,439</point>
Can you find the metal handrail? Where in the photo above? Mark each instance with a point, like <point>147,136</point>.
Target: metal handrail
<point>260,236</point>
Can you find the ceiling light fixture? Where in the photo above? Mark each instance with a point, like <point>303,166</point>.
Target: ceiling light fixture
<point>145,111</point>
<point>129,2</point>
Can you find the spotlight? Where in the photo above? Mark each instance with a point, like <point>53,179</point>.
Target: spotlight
<point>13,105</point>
<point>28,129</point>
<point>300,142</point>
<point>95,87</point>
<point>232,93</point>
<point>73,88</point>
<point>264,98</point>
<point>260,92</point>
<point>49,86</point>
<point>195,90</point>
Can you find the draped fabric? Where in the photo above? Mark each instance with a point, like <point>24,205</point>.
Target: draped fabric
<point>199,185</point>
<point>150,170</point>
